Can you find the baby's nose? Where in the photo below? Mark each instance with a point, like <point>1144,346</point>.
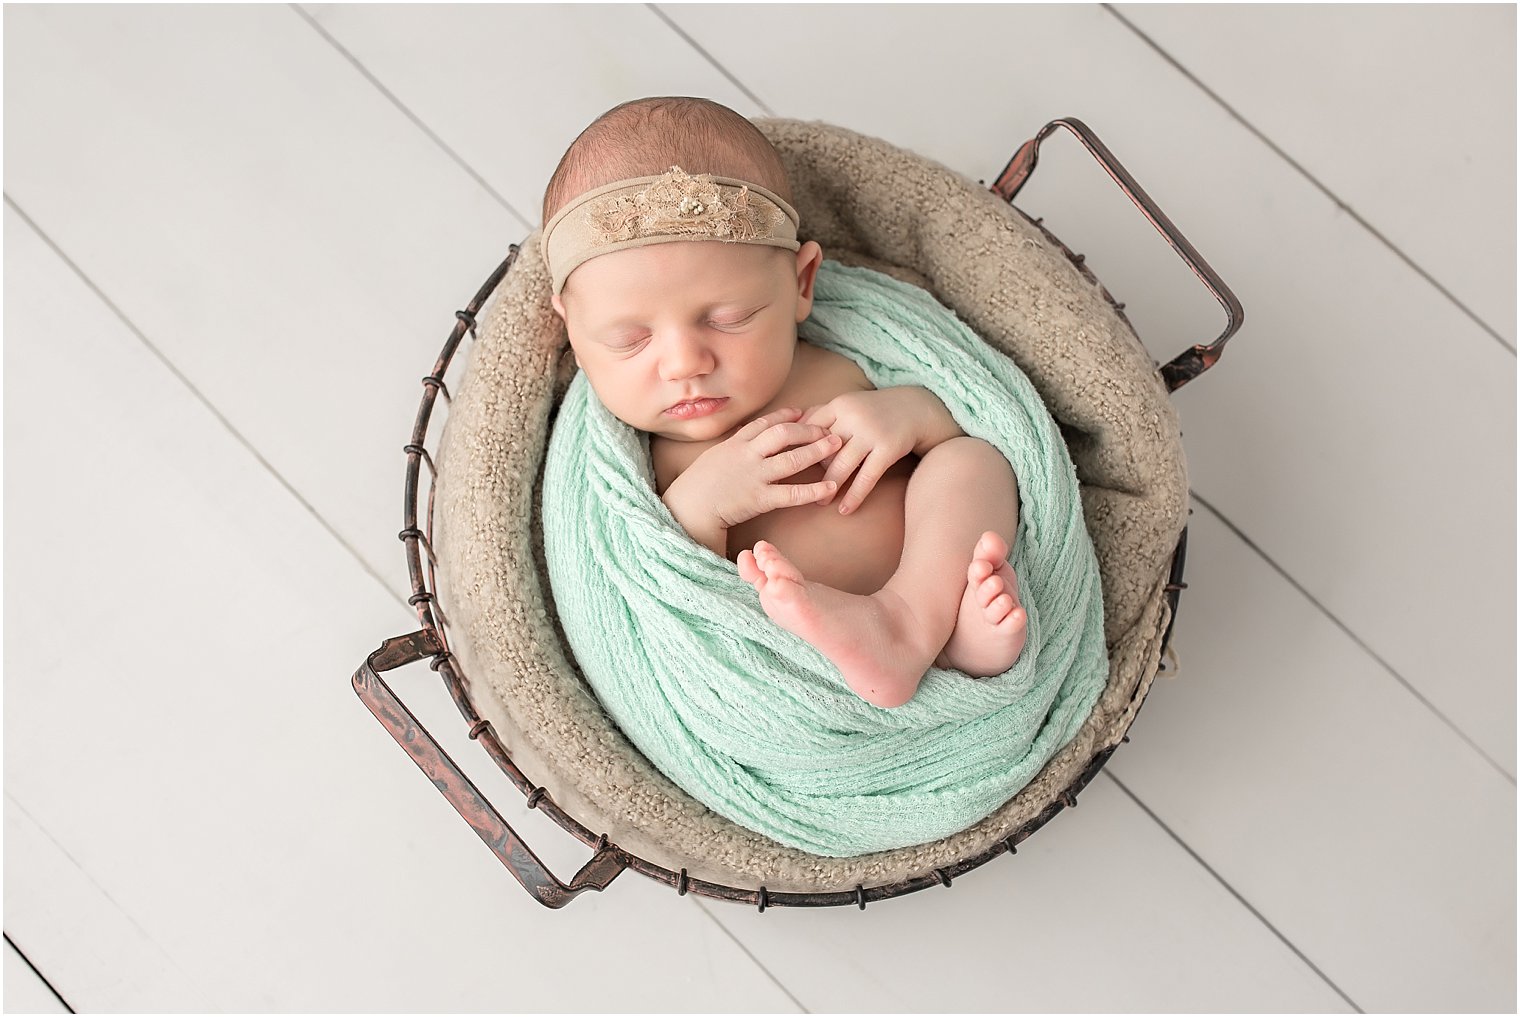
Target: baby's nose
<point>685,356</point>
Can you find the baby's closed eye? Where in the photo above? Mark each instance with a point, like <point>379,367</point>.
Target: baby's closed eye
<point>732,319</point>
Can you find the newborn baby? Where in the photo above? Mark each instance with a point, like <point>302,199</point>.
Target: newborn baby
<point>869,523</point>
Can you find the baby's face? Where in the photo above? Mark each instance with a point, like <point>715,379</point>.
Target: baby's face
<point>658,325</point>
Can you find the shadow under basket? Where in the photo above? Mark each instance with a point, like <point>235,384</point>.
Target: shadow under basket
<point>480,586</point>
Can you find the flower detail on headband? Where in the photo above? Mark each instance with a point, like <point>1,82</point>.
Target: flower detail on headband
<point>678,203</point>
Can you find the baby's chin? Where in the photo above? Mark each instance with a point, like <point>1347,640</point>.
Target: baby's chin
<point>707,434</point>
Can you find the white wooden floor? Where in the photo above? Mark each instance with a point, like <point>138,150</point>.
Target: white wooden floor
<point>235,238</point>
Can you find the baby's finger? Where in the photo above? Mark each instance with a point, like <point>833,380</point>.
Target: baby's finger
<point>759,424</point>
<point>781,436</point>
<point>822,415</point>
<point>846,461</point>
<point>798,459</point>
<point>791,495</point>
<point>865,481</point>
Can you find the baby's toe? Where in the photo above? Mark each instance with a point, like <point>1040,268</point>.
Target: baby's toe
<point>1012,583</point>
<point>763,556</point>
<point>989,588</point>
<point>776,564</point>
<point>999,608</point>
<point>1010,580</point>
<point>1013,620</point>
<point>748,570</point>
<point>992,547</point>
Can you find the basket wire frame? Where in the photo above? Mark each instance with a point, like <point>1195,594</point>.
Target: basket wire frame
<point>609,860</point>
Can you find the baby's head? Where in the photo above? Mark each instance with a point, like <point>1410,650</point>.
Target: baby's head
<point>678,288</point>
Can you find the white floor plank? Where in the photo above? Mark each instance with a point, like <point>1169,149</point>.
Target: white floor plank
<point>1326,434</point>
<point>209,818</point>
<point>92,948</point>
<point>1406,112</point>
<point>24,991</point>
<point>1098,913</point>
<point>494,113</point>
<point>1359,825</point>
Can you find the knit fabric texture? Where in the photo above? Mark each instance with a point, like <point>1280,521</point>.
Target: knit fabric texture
<point>871,203</point>
<point>753,721</point>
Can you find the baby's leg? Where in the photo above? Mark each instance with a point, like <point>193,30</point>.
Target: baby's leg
<point>963,521</point>
<point>883,643</point>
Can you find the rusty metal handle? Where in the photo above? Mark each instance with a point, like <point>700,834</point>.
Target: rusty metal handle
<point>467,800</point>
<point>1190,363</point>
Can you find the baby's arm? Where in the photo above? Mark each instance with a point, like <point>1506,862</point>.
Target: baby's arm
<point>703,527</point>
<point>936,426</point>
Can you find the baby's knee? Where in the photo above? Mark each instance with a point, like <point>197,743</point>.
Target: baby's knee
<point>974,467</point>
<point>975,454</point>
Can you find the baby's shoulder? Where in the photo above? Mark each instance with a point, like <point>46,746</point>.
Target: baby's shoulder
<point>828,375</point>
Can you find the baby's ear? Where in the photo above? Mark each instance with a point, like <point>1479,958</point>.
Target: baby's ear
<point>809,257</point>
<point>559,306</point>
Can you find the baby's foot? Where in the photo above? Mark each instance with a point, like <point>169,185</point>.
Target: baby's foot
<point>990,628</point>
<point>875,641</point>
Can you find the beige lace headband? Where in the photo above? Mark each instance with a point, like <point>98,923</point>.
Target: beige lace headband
<point>663,209</point>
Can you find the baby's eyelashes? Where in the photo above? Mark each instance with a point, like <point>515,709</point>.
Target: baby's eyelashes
<point>734,320</point>
<point>623,343</point>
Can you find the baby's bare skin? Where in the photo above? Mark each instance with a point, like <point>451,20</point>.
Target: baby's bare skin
<point>883,608</point>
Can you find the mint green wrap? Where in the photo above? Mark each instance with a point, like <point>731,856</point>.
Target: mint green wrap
<point>751,720</point>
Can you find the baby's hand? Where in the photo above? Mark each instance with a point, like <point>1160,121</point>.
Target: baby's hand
<point>879,427</point>
<point>735,480</point>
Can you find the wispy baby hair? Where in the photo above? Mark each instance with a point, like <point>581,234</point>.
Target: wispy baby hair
<point>645,137</point>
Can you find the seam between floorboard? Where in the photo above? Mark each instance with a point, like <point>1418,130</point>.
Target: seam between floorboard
<point>703,907</point>
<point>13,802</point>
<point>1277,149</point>
<point>200,397</point>
<point>41,977</point>
<point>1231,890</point>
<point>395,101</point>
<point>1385,665</point>
<point>702,52</point>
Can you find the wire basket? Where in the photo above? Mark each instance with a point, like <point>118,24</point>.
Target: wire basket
<point>608,860</point>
